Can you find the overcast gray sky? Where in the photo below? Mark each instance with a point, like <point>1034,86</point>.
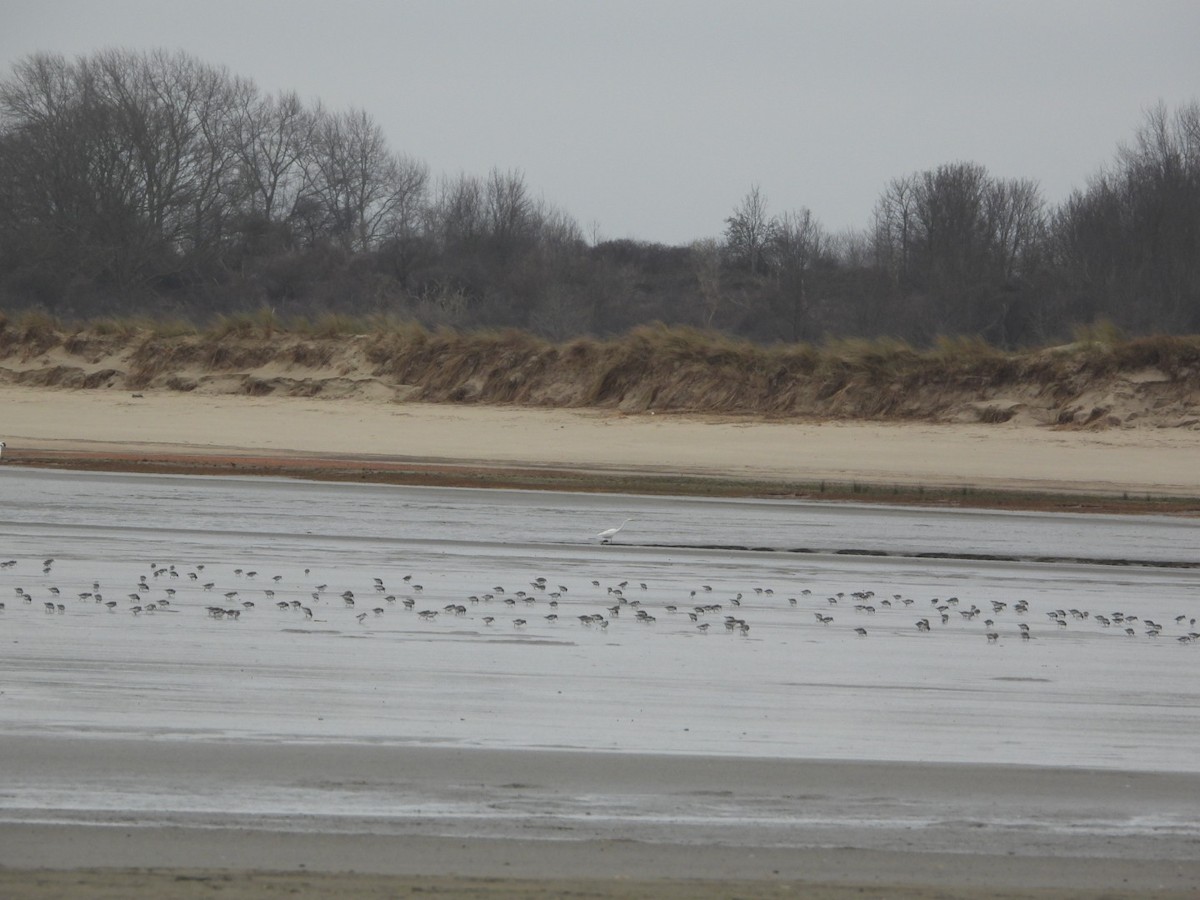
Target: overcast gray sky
<point>652,119</point>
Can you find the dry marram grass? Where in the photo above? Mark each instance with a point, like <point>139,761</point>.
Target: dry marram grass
<point>653,368</point>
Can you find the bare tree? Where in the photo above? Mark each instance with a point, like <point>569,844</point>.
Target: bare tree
<point>866,290</point>
<point>799,241</point>
<point>511,212</point>
<point>456,217</point>
<point>952,227</point>
<point>175,114</point>
<point>706,262</point>
<point>52,170</point>
<point>895,228</point>
<point>138,165</point>
<point>367,192</point>
<point>274,140</point>
<point>1130,243</point>
<point>1016,222</point>
<point>749,231</point>
<point>955,244</point>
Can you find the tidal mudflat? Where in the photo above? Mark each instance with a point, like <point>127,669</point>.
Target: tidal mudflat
<point>287,664</point>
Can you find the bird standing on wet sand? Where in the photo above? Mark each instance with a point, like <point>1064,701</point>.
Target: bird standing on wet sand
<point>608,534</point>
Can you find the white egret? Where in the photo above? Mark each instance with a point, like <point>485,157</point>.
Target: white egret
<point>608,534</point>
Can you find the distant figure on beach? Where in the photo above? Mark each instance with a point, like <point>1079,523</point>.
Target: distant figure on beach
<point>2,446</point>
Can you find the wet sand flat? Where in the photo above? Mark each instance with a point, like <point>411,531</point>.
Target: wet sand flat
<point>614,857</point>
<point>233,863</point>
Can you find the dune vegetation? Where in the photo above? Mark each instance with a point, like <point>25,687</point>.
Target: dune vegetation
<point>1099,380</point>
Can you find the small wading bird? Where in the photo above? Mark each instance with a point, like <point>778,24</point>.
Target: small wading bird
<point>2,446</point>
<point>608,534</point>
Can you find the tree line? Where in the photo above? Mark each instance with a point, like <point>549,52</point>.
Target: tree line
<point>155,184</point>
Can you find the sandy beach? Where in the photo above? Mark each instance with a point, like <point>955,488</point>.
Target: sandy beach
<point>43,859</point>
<point>45,425</point>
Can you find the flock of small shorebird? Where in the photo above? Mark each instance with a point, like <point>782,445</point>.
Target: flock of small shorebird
<point>704,609</point>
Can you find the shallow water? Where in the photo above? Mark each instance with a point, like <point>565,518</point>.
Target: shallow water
<point>791,687</point>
